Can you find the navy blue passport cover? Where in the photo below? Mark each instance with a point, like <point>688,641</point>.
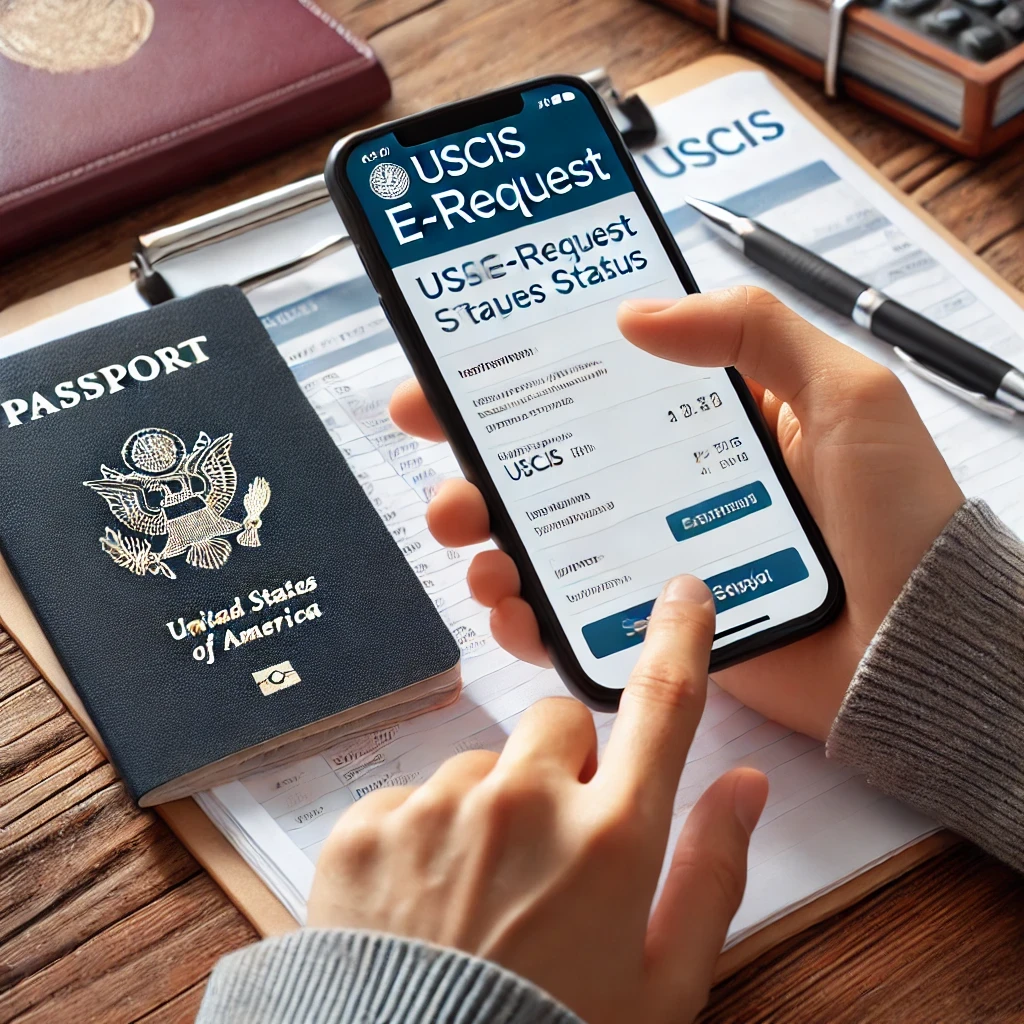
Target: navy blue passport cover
<point>165,499</point>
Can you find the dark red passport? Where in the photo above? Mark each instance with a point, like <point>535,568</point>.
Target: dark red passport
<point>141,97</point>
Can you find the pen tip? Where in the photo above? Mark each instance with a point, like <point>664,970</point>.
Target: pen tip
<point>718,218</point>
<point>703,206</point>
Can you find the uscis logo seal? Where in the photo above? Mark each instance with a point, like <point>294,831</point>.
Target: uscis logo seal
<point>389,181</point>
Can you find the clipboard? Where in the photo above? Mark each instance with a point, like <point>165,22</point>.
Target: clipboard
<point>199,835</point>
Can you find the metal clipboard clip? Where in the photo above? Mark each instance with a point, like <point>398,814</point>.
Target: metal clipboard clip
<point>156,251</point>
<point>631,114</point>
<point>975,398</point>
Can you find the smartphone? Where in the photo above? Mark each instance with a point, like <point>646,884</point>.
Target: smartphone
<point>501,233</point>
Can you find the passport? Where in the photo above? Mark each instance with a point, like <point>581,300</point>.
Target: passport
<point>106,106</point>
<point>216,584</point>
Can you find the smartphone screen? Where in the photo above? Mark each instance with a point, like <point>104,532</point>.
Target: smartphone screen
<point>511,243</point>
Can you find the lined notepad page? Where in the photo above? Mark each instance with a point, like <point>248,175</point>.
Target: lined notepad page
<point>736,141</point>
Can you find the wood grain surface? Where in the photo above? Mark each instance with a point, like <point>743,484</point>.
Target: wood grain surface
<point>105,917</point>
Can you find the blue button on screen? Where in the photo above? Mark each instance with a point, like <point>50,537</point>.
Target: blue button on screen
<point>617,632</point>
<point>757,578</point>
<point>725,508</point>
<point>762,576</point>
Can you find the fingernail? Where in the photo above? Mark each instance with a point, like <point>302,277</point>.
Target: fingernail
<point>687,589</point>
<point>649,305</point>
<point>749,796</point>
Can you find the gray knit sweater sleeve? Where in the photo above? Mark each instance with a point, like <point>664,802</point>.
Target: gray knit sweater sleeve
<point>935,713</point>
<point>325,976</point>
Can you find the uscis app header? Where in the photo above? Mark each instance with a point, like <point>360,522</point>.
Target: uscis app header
<point>548,160</point>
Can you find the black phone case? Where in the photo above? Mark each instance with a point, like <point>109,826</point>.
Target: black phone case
<point>429,376</point>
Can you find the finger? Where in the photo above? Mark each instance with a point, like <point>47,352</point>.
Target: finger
<point>432,806</point>
<point>375,805</point>
<point>457,516</point>
<point>410,411</point>
<point>756,389</point>
<point>750,329</point>
<point>770,409</point>
<point>462,772</point>
<point>766,402</point>
<point>492,577</point>
<point>663,699</point>
<point>555,734</point>
<point>704,887</point>
<point>514,627</point>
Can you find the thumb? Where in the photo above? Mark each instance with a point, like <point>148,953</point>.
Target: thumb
<point>750,329</point>
<point>703,889</point>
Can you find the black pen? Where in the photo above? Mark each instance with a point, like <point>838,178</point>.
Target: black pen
<point>932,352</point>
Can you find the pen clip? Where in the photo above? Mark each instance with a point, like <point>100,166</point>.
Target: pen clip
<point>975,398</point>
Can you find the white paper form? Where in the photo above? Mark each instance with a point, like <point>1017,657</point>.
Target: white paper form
<point>799,183</point>
<point>822,825</point>
<point>737,141</point>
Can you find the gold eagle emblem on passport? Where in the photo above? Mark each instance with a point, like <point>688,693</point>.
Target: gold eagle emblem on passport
<point>181,495</point>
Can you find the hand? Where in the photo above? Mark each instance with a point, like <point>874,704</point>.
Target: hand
<point>863,461</point>
<point>545,862</point>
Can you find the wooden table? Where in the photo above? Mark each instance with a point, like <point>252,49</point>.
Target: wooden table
<point>105,917</point>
